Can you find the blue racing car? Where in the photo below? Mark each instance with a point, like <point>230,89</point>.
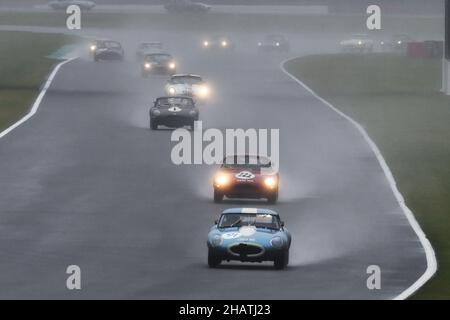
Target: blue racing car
<point>249,235</point>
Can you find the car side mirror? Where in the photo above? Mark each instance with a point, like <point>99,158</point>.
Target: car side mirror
<point>216,222</point>
<point>282,224</point>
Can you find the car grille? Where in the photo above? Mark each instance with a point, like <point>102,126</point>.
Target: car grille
<point>245,188</point>
<point>247,250</point>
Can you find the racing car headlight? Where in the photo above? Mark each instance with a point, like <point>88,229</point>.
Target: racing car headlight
<point>382,43</point>
<point>399,42</point>
<point>224,43</point>
<point>205,43</point>
<point>221,180</point>
<point>156,112</point>
<point>360,43</point>
<point>277,44</point>
<point>216,240</point>
<point>193,112</point>
<point>276,242</point>
<point>172,65</point>
<point>172,90</point>
<point>259,44</point>
<point>147,66</point>
<point>203,91</point>
<point>270,182</point>
<point>93,47</point>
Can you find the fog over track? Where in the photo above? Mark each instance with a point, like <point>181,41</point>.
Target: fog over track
<point>86,182</point>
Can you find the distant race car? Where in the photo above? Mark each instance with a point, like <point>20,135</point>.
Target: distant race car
<point>218,43</point>
<point>186,6</point>
<point>188,85</point>
<point>93,46</point>
<point>398,43</point>
<point>358,43</point>
<point>158,63</point>
<point>146,48</point>
<point>107,50</point>
<point>249,235</point>
<point>246,176</point>
<point>64,4</point>
<point>174,112</point>
<point>274,42</point>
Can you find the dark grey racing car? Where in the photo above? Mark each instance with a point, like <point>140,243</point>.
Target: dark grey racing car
<point>146,48</point>
<point>158,63</point>
<point>274,43</point>
<point>108,50</point>
<point>174,112</point>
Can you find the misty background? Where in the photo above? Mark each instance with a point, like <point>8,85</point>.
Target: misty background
<point>416,7</point>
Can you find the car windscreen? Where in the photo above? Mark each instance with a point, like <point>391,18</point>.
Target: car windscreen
<point>246,161</point>
<point>188,80</point>
<point>175,101</point>
<point>257,220</point>
<point>159,58</point>
<point>109,44</point>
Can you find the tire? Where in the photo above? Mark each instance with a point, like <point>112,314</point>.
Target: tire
<point>153,124</point>
<point>213,260</point>
<point>273,198</point>
<point>218,196</point>
<point>282,261</point>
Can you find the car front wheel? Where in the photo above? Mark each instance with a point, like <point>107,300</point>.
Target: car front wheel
<point>282,260</point>
<point>213,260</point>
<point>218,196</point>
<point>273,198</point>
<point>153,124</point>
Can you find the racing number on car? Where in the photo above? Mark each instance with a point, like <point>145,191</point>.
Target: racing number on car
<point>245,175</point>
<point>174,109</point>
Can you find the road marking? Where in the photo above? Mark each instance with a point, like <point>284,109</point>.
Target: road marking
<point>429,251</point>
<point>38,100</point>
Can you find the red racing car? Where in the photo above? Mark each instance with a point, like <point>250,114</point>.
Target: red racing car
<point>246,177</point>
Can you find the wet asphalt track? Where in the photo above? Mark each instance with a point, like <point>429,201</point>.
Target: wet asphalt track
<point>85,182</point>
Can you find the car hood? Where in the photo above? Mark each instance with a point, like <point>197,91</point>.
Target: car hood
<point>247,234</point>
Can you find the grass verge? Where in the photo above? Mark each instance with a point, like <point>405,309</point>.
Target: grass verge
<point>397,100</point>
<point>23,69</point>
